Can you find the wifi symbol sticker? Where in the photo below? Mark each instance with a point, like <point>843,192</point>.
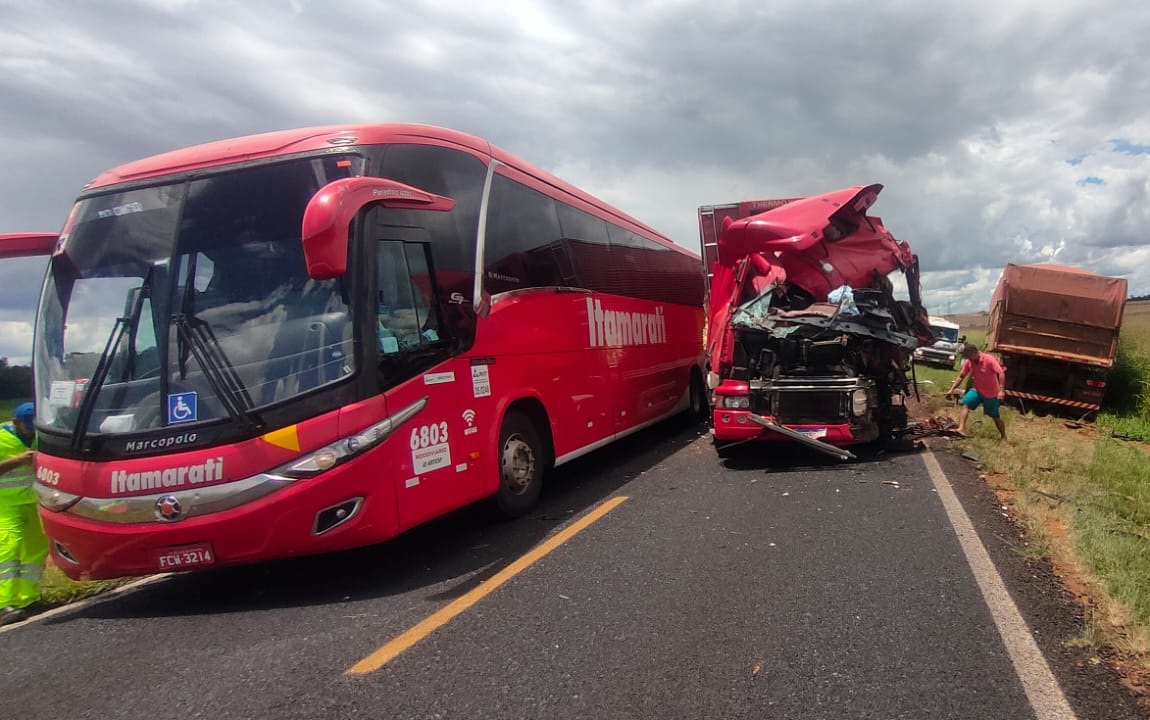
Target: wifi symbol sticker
<point>469,417</point>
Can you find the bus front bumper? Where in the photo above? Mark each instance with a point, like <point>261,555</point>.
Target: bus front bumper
<point>300,518</point>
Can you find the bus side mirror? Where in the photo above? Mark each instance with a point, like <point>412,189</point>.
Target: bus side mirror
<point>27,245</point>
<point>961,339</point>
<point>328,216</point>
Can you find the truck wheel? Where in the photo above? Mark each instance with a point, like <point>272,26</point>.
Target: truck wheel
<point>521,464</point>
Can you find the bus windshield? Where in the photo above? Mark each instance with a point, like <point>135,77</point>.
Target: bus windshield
<point>189,302</point>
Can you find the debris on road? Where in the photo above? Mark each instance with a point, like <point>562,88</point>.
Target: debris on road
<point>938,426</point>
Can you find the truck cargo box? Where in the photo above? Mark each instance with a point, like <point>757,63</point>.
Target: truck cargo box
<point>1057,312</point>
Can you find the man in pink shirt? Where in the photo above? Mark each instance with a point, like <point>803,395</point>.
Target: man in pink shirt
<point>989,384</point>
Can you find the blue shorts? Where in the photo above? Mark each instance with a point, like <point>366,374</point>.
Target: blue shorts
<point>989,405</point>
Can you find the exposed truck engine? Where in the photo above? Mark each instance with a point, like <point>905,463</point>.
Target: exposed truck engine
<point>806,340</point>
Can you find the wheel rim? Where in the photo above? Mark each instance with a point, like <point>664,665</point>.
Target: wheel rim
<point>518,464</point>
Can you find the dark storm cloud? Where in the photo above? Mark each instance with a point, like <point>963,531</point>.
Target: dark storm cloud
<point>980,118</point>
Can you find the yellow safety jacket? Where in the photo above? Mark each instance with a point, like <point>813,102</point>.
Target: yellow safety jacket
<point>16,484</point>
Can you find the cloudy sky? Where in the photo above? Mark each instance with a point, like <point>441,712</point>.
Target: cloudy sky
<point>1003,131</point>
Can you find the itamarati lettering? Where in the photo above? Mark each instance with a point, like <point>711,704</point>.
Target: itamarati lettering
<point>618,328</point>
<point>210,470</point>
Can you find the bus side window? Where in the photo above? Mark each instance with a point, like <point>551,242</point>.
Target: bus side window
<point>522,236</point>
<point>406,316</point>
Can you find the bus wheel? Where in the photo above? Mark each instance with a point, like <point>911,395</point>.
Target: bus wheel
<point>700,406</point>
<point>520,466</point>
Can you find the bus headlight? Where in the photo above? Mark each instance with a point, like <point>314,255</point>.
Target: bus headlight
<point>859,402</point>
<point>54,500</point>
<point>348,447</point>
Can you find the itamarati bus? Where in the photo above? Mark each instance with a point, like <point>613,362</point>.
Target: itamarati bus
<point>306,341</point>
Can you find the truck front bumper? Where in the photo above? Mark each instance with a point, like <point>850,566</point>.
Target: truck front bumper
<point>742,425</point>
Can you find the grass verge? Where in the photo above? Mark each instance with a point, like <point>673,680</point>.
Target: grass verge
<point>57,589</point>
<point>1083,500</point>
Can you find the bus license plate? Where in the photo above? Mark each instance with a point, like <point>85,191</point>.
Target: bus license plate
<point>815,433</point>
<point>185,557</point>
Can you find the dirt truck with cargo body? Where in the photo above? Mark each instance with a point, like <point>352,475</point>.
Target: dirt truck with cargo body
<point>806,341</point>
<point>1056,331</point>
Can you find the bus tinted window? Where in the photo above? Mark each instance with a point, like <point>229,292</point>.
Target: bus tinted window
<point>578,225</point>
<point>406,317</point>
<point>523,248</point>
<point>645,269</point>
<point>452,174</point>
<point>459,176</point>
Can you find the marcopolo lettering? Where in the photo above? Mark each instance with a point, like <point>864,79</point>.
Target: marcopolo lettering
<point>618,328</point>
<point>211,470</point>
<point>160,443</point>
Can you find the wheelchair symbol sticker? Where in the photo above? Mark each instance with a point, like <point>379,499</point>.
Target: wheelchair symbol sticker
<point>181,408</point>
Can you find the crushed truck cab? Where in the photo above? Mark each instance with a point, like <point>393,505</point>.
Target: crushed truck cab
<point>806,341</point>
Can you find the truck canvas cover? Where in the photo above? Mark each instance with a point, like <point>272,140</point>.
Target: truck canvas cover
<point>1057,310</point>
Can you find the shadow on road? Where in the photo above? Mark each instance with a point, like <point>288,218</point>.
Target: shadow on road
<point>788,457</point>
<point>468,545</point>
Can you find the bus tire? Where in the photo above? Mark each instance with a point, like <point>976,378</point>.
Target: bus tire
<point>521,464</point>
<point>700,408</point>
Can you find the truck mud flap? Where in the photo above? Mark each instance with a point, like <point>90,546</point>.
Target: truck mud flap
<point>798,437</point>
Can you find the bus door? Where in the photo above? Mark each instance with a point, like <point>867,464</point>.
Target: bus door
<point>428,460</point>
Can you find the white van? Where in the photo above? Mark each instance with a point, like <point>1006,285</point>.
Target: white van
<point>947,346</point>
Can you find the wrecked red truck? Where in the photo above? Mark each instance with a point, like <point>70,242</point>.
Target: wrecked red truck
<point>806,340</point>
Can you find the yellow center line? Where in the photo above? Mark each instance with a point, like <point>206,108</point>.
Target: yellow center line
<point>441,617</point>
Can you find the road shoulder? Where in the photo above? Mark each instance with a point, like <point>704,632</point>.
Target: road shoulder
<point>1051,611</point>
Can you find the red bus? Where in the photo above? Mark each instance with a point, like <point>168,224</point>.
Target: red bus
<point>312,340</point>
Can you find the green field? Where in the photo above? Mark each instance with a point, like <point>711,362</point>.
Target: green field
<point>7,407</point>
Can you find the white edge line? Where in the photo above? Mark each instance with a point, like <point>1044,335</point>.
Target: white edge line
<point>87,602</point>
<point>1038,682</point>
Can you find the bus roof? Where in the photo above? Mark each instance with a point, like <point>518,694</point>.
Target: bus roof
<point>286,142</point>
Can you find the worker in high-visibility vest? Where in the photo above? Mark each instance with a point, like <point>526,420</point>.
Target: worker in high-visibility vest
<point>23,545</point>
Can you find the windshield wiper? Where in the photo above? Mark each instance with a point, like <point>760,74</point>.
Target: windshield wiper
<point>125,324</point>
<point>196,336</point>
<point>84,412</point>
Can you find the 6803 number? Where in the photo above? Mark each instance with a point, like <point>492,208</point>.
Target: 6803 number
<point>48,477</point>
<point>428,435</point>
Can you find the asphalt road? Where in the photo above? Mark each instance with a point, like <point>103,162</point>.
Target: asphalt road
<point>796,588</point>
